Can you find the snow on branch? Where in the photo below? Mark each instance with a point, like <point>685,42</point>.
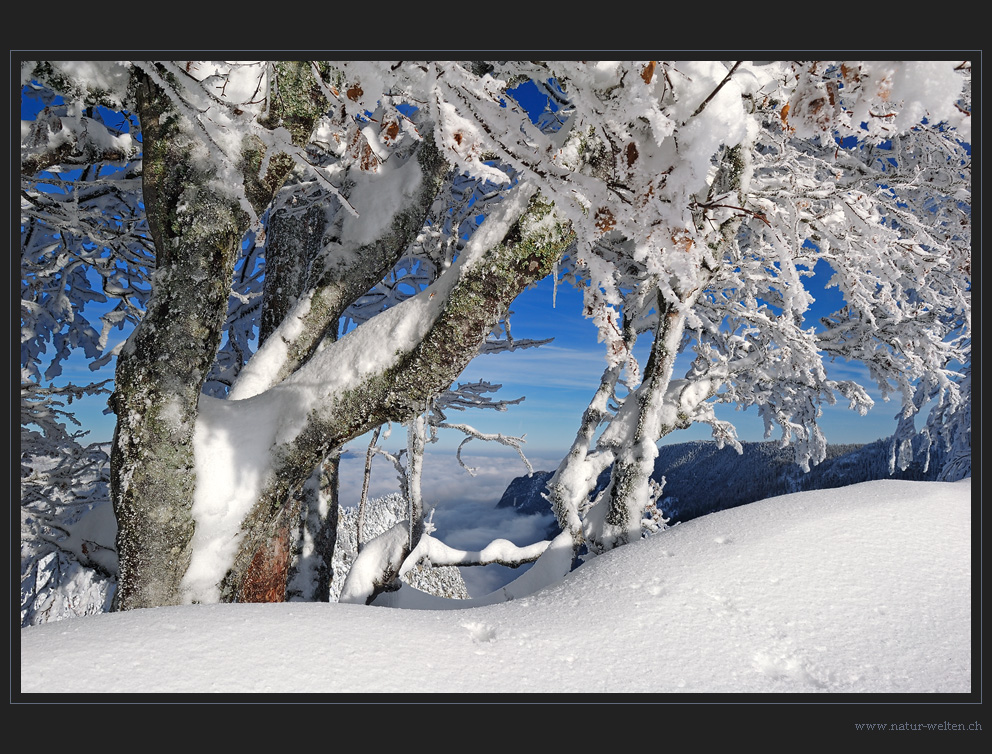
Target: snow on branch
<point>57,139</point>
<point>474,434</point>
<point>45,409</point>
<point>499,551</point>
<point>501,339</point>
<point>377,565</point>
<point>470,395</point>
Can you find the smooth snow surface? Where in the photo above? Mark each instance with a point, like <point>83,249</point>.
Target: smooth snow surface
<point>863,589</point>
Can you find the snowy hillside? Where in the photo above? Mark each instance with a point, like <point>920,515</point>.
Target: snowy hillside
<point>862,590</point>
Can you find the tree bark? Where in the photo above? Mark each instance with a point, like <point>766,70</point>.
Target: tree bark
<point>163,366</point>
<point>628,493</point>
<point>197,226</point>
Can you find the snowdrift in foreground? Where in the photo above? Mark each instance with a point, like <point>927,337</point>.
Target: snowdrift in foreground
<point>859,589</point>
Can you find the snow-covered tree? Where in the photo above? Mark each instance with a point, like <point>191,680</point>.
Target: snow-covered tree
<point>304,258</point>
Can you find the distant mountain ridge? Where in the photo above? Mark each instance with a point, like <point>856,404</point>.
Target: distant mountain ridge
<point>701,478</point>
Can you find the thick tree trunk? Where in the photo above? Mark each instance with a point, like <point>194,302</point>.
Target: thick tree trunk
<point>197,226</point>
<point>163,366</point>
<point>294,240</point>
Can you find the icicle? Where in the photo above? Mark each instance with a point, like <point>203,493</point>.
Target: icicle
<point>554,288</point>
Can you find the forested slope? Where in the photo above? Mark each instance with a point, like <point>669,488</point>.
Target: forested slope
<point>701,478</point>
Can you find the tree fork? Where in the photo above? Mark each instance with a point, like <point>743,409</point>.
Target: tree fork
<point>335,290</point>
<point>339,286</point>
<point>476,303</point>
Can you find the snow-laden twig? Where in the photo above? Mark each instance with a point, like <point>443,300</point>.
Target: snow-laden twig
<point>474,434</point>
<point>499,551</point>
